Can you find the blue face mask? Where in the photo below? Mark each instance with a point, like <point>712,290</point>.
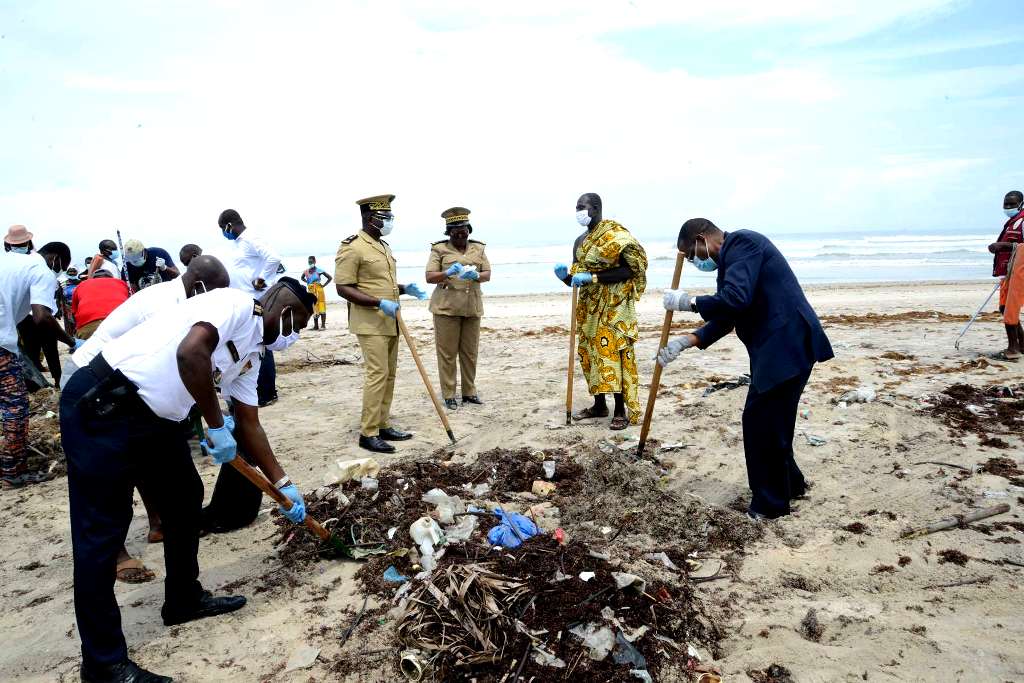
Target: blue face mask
<point>228,234</point>
<point>704,265</point>
<point>114,255</point>
<point>21,250</point>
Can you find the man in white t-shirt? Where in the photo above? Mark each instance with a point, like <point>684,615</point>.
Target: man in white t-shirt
<point>121,423</point>
<point>254,267</point>
<point>27,286</point>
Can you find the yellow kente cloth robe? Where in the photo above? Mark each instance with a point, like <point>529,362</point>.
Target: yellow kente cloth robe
<point>606,313</point>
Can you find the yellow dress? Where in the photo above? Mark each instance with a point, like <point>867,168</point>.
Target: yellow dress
<point>606,313</point>
<point>313,286</point>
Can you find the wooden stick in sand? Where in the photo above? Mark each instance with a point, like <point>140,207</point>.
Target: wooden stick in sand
<point>572,361</point>
<point>666,327</point>
<point>955,521</point>
<point>423,374</point>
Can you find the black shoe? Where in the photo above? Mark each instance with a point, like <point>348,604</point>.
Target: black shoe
<point>392,434</point>
<point>472,399</point>
<point>122,672</point>
<point>375,444</point>
<point>206,606</point>
<point>451,404</point>
<point>269,402</point>
<point>24,479</point>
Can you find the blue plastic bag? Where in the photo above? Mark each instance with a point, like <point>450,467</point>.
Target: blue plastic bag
<point>513,530</point>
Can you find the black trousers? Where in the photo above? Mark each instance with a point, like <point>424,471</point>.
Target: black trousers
<point>235,502</point>
<point>266,381</point>
<point>769,419</point>
<point>106,457</point>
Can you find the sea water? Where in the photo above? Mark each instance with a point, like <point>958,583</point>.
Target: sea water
<point>822,258</point>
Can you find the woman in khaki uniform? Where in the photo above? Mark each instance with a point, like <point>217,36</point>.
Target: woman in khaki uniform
<point>457,265</point>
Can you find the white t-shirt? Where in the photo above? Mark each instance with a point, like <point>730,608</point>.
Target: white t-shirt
<point>147,354</point>
<point>25,280</point>
<point>135,310</point>
<point>252,259</point>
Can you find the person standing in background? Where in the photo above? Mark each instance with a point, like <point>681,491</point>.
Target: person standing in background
<point>189,252</point>
<point>313,278</point>
<point>457,265</point>
<point>106,259</point>
<point>254,267</point>
<point>1003,248</point>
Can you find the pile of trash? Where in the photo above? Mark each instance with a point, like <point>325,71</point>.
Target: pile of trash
<point>45,452</point>
<point>528,561</point>
<point>997,409</point>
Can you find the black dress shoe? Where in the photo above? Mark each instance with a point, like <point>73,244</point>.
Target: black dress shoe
<point>451,404</point>
<point>472,399</point>
<point>122,672</point>
<point>392,434</point>
<point>375,444</point>
<point>206,606</point>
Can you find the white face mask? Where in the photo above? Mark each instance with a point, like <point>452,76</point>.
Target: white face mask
<point>283,342</point>
<point>136,259</point>
<point>21,250</point>
<point>583,218</point>
<point>387,225</point>
<point>1010,213</point>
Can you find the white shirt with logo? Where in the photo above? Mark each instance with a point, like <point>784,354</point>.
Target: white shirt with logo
<point>147,354</point>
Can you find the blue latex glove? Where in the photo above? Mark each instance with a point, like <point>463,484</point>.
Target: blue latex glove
<point>297,513</point>
<point>229,422</point>
<point>221,444</point>
<point>582,279</point>
<point>454,269</point>
<point>413,289</point>
<point>561,271</point>
<point>514,528</point>
<point>389,308</point>
<point>470,275</point>
<point>78,344</point>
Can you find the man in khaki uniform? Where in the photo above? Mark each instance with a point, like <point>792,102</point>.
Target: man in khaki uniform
<point>457,266</point>
<point>366,277</point>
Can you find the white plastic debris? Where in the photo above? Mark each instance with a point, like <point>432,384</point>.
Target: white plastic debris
<point>462,530</point>
<point>302,658</point>
<point>663,558</point>
<point>354,469</point>
<point>447,506</point>
<point>549,469</point>
<point>864,394</point>
<point>976,410</point>
<point>814,440</point>
<point>587,576</point>
<point>546,659</point>
<point>642,675</point>
<point>624,581</point>
<point>669,447</point>
<point>426,534</point>
<point>600,639</point>
<point>607,613</point>
<point>369,483</point>
<point>391,532</point>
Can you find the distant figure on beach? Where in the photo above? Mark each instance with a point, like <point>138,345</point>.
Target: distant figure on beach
<point>1011,287</point>
<point>759,296</point>
<point>457,265</point>
<point>313,278</point>
<point>610,267</point>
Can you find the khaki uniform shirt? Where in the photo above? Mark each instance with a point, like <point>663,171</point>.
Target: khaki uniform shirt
<point>369,266</point>
<point>455,296</point>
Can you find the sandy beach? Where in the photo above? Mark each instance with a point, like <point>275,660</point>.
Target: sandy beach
<point>886,608</point>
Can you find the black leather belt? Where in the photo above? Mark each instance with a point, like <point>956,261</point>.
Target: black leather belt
<point>113,394</point>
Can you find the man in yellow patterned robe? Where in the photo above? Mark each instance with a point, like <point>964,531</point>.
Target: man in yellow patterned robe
<point>609,266</point>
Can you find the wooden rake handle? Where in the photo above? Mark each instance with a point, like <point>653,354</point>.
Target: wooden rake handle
<point>250,473</point>
<point>423,375</point>
<point>666,327</point>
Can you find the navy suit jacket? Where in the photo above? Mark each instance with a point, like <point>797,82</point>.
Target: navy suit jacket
<point>759,296</point>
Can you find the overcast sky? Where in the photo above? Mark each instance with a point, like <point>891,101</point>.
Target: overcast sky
<point>788,115</point>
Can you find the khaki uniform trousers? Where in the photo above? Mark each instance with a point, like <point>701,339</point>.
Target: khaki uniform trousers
<point>380,357</point>
<point>457,337</point>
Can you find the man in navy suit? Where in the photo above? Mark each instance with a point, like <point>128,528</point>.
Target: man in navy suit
<point>759,297</point>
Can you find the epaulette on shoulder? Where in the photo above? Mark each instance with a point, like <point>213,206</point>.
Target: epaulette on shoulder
<point>478,242</point>
<point>349,240</point>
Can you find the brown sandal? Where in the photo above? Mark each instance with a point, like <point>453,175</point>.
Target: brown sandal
<point>133,571</point>
<point>619,422</point>
<point>589,414</point>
